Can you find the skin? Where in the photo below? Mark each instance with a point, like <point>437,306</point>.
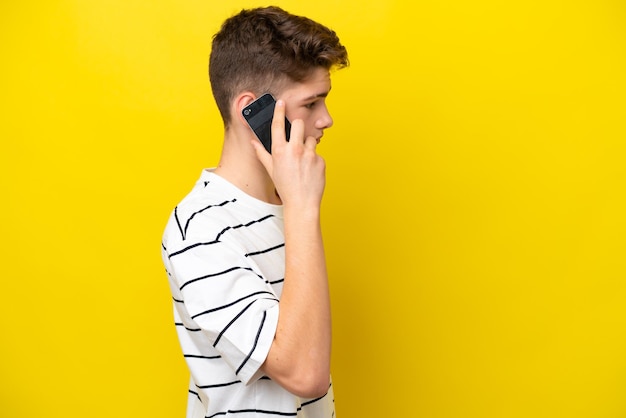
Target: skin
<point>292,175</point>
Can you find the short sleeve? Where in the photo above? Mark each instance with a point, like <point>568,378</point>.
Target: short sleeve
<point>229,301</point>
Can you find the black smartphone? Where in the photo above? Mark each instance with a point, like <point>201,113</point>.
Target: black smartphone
<point>259,115</point>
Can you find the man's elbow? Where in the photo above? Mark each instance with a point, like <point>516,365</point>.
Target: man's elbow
<point>310,385</point>
<point>301,380</point>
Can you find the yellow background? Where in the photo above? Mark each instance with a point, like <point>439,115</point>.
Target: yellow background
<point>474,214</point>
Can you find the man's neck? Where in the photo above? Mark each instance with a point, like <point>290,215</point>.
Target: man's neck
<point>240,166</point>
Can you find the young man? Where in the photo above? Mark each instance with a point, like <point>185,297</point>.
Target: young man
<point>243,250</point>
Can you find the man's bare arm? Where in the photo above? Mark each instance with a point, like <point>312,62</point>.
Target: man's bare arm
<point>299,358</point>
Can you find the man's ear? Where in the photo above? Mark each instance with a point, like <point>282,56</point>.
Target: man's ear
<point>242,100</point>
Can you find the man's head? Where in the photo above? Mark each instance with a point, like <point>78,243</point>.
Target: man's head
<point>264,50</point>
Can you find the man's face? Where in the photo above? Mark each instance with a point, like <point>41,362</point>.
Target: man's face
<point>307,101</point>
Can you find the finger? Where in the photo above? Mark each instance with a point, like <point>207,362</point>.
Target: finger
<point>310,143</point>
<point>297,132</point>
<point>278,125</point>
<point>264,157</point>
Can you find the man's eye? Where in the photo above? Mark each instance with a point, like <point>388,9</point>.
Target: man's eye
<point>310,105</point>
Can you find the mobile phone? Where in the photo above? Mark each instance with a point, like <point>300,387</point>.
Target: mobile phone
<point>259,115</point>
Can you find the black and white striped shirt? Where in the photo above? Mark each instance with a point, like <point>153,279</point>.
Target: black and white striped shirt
<point>223,251</point>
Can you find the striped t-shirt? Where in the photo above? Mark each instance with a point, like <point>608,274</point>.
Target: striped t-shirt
<point>223,251</point>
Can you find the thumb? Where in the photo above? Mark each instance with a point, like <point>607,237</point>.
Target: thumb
<point>264,157</point>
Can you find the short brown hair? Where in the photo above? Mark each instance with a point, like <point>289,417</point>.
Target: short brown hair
<point>258,49</point>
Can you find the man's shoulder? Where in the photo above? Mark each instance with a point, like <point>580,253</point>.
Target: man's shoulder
<point>214,207</point>
<point>207,205</point>
<point>204,196</point>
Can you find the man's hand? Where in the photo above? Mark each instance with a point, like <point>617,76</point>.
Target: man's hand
<point>296,169</point>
